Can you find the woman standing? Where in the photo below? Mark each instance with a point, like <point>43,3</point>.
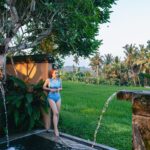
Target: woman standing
<point>54,85</point>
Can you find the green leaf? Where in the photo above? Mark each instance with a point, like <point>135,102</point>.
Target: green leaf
<point>16,116</point>
<point>18,103</point>
<point>29,110</point>
<point>36,114</point>
<point>15,99</point>
<point>18,82</point>
<point>32,123</point>
<point>29,97</point>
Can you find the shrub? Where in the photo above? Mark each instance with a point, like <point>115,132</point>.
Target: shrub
<point>24,102</point>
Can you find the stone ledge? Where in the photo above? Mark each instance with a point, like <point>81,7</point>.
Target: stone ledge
<point>131,94</point>
<point>64,138</point>
<point>83,141</point>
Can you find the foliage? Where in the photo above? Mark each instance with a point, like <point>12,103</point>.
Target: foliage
<point>132,70</point>
<point>143,77</point>
<point>96,63</point>
<point>85,77</point>
<point>146,75</point>
<point>58,27</point>
<point>24,103</point>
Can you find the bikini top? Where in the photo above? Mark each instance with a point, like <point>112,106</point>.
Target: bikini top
<point>55,83</point>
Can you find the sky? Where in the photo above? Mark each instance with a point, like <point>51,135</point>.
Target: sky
<point>129,24</point>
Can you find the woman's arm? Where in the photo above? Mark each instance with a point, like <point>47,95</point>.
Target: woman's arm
<point>60,88</point>
<point>45,85</point>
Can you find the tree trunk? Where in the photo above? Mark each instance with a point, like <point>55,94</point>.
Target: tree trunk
<point>13,64</point>
<point>3,67</point>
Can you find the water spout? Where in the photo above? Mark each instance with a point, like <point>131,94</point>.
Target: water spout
<point>101,116</point>
<point>4,102</point>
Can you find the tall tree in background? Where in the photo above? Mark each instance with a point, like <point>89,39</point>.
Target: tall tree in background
<point>142,63</point>
<point>116,67</point>
<point>108,59</point>
<point>96,63</point>
<point>131,54</point>
<point>107,69</point>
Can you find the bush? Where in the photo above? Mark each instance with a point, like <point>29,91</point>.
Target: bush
<point>24,102</point>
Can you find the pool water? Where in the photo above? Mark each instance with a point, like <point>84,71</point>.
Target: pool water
<point>34,142</point>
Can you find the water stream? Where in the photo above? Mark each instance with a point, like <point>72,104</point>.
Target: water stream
<point>5,108</point>
<point>101,116</point>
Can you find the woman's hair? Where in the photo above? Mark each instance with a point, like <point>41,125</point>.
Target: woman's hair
<point>51,73</point>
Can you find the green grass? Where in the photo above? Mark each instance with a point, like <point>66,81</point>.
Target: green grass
<point>81,107</point>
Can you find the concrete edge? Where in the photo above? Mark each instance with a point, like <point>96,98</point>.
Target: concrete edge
<point>63,135</point>
<point>87,142</point>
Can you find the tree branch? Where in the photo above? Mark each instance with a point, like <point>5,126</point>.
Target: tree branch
<point>13,11</point>
<point>39,38</point>
<point>31,45</point>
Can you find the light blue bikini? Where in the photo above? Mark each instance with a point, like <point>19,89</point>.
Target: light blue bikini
<point>54,84</point>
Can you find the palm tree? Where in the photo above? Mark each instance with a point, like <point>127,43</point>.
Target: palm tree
<point>116,67</point>
<point>107,68</point>
<point>108,59</point>
<point>131,54</point>
<point>142,64</point>
<point>96,63</point>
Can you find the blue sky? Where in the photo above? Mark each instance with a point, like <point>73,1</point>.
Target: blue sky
<point>129,24</point>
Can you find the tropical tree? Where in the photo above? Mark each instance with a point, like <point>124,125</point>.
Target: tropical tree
<point>116,67</point>
<point>96,63</point>
<point>69,25</point>
<point>142,64</point>
<point>59,27</point>
<point>107,68</point>
<point>108,59</point>
<point>131,54</point>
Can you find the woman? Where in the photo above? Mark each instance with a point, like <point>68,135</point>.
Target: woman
<point>54,85</point>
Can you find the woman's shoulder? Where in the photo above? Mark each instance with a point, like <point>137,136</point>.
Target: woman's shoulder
<point>48,79</point>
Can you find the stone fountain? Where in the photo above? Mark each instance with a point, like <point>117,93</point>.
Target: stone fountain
<point>140,117</point>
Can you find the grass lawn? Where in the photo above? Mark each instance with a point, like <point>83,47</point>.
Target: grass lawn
<point>81,107</point>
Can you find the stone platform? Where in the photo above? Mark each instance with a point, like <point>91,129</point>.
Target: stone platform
<point>140,117</point>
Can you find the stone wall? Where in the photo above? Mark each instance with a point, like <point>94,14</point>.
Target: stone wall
<point>140,117</point>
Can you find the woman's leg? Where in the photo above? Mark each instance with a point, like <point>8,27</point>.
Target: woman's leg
<point>58,104</point>
<point>55,116</point>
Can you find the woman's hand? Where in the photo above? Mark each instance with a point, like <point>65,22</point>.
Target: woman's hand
<point>53,90</point>
<point>59,89</point>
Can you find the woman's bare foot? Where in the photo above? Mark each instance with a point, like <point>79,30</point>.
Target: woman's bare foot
<point>57,133</point>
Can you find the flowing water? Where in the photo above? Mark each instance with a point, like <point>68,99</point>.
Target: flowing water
<point>101,116</point>
<point>4,102</point>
